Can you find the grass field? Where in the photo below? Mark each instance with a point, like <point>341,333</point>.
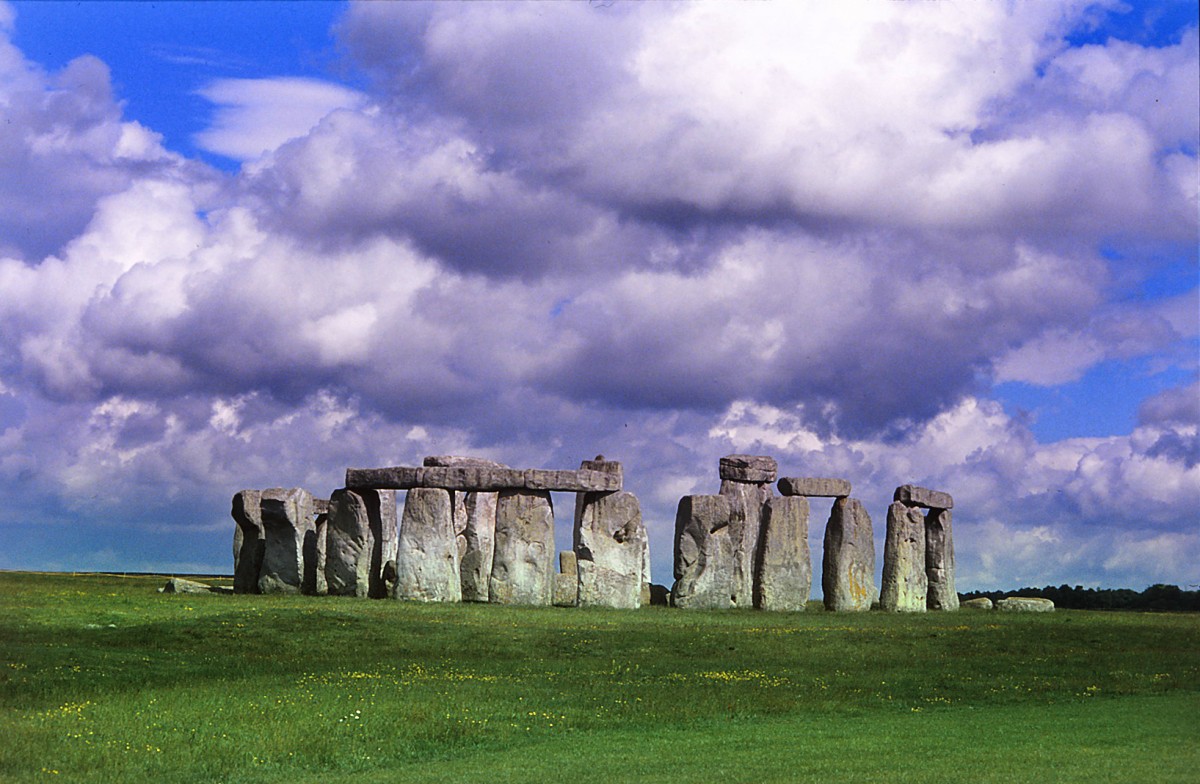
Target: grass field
<point>103,679</point>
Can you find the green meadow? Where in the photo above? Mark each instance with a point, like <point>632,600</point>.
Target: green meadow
<point>103,679</point>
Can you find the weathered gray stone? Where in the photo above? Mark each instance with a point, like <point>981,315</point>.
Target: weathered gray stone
<point>704,553</point>
<point>748,468</point>
<point>746,504</point>
<point>446,461</point>
<point>602,465</point>
<point>476,566</point>
<point>350,544</point>
<point>249,540</point>
<point>482,478</point>
<point>320,534</point>
<point>941,593</point>
<point>904,581</point>
<point>646,572</point>
<point>1025,604</point>
<point>566,582</point>
<point>381,506</point>
<point>523,565</point>
<point>320,506</point>
<point>978,603</point>
<point>816,487</point>
<point>288,524</point>
<point>426,552</point>
<point>180,585</point>
<point>609,539</point>
<point>783,577</point>
<point>924,497</point>
<point>848,564</point>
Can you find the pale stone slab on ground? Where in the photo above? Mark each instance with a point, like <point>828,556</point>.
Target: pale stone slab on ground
<point>287,522</point>
<point>1025,604</point>
<point>609,539</point>
<point>249,540</point>
<point>703,554</point>
<point>978,603</point>
<point>783,576</point>
<point>941,593</point>
<point>523,561</point>
<point>904,582</point>
<point>180,585</point>
<point>746,504</point>
<point>922,496</point>
<point>848,563</point>
<point>748,468</point>
<point>817,487</point>
<point>476,566</point>
<point>427,553</point>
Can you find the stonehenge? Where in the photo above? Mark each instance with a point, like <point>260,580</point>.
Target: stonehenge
<point>474,530</point>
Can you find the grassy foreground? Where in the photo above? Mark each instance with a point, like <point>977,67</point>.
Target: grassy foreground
<point>103,679</point>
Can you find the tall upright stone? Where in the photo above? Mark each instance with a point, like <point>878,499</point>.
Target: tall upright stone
<point>904,581</point>
<point>288,525</point>
<point>476,566</point>
<point>381,516</point>
<point>848,564</point>
<point>320,539</point>
<point>351,547</point>
<point>566,581</point>
<point>783,578</point>
<point>746,481</point>
<point>523,560</point>
<point>249,540</point>
<point>941,593</point>
<point>704,553</point>
<point>609,540</point>
<point>426,551</point>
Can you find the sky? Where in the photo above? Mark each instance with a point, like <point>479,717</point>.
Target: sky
<point>949,243</point>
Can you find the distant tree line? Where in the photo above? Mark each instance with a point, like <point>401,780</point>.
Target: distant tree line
<point>1157,597</point>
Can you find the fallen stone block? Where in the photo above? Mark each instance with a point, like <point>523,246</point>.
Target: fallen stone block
<point>904,581</point>
<point>704,554</point>
<point>848,564</point>
<point>1025,604</point>
<point>180,585</point>
<point>783,577</point>
<point>978,603</point>
<point>815,487</point>
<point>921,496</point>
<point>748,468</point>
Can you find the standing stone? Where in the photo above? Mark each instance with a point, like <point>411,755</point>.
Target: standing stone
<point>704,553</point>
<point>646,572</point>
<point>904,581</point>
<point>566,582</point>
<point>321,532</point>
<point>426,552</point>
<point>746,504</point>
<point>476,566</point>
<point>381,511</point>
<point>609,542</point>
<point>350,545</point>
<point>523,561</point>
<point>287,522</point>
<point>848,565</point>
<point>941,593</point>
<point>783,577</point>
<point>249,540</point>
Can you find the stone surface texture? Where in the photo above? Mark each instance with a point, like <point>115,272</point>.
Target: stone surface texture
<point>609,539</point>
<point>1025,604</point>
<point>249,540</point>
<point>813,486</point>
<point>566,581</point>
<point>482,478</point>
<point>476,566</point>
<point>320,534</point>
<point>288,524</point>
<point>523,560</point>
<point>923,497</point>
<point>349,545</point>
<point>426,551</point>
<point>746,504</point>
<point>704,553</point>
<point>180,585</point>
<point>783,577</point>
<point>941,593</point>
<point>979,603</point>
<point>848,564</point>
<point>904,582</point>
<point>748,468</point>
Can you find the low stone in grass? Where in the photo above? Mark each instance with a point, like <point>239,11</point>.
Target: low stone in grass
<point>1025,604</point>
<point>180,585</point>
<point>978,603</point>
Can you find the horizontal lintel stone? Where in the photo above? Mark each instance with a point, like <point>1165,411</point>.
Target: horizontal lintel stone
<point>757,469</point>
<point>921,496</point>
<point>320,506</point>
<point>481,478</point>
<point>814,486</point>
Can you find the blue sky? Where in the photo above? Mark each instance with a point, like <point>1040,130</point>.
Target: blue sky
<point>251,244</point>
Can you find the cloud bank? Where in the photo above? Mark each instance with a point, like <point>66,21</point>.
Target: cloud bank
<point>664,232</point>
